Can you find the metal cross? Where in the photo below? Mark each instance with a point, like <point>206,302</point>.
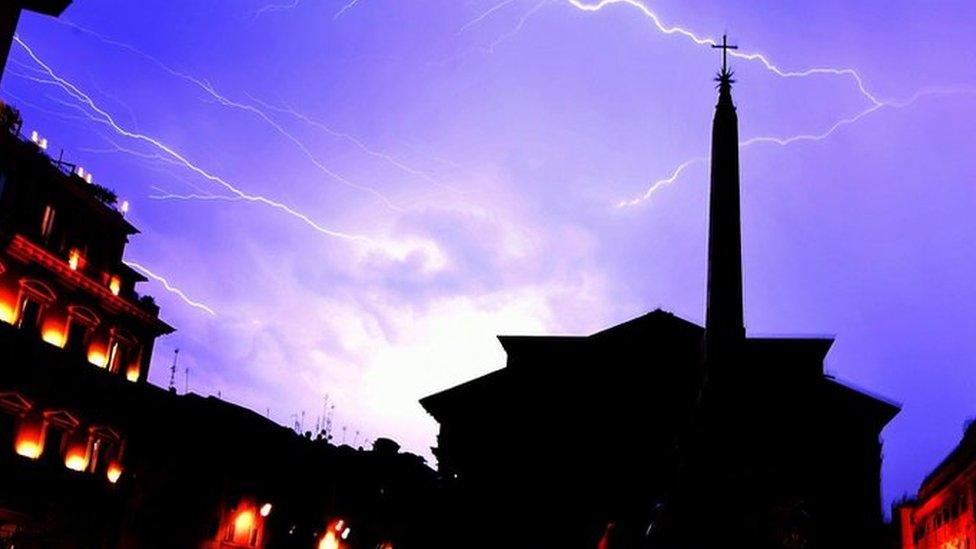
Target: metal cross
<point>725,47</point>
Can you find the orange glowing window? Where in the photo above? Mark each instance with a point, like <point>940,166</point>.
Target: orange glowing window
<point>113,472</point>
<point>31,431</point>
<point>77,450</point>
<point>53,331</point>
<point>244,528</point>
<point>115,284</point>
<point>329,540</point>
<point>74,259</point>
<point>7,313</point>
<point>132,373</point>
<point>244,520</point>
<point>96,355</point>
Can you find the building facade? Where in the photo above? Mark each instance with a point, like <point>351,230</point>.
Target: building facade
<point>941,515</point>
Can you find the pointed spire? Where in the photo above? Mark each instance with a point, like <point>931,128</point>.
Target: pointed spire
<point>724,324</point>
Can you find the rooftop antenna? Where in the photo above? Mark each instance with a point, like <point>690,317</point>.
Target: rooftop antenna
<point>328,422</point>
<point>172,371</point>
<point>186,380</point>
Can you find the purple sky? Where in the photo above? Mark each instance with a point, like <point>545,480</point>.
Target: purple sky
<point>420,178</point>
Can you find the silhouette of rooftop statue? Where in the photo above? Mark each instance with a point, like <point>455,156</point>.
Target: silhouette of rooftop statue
<point>658,433</point>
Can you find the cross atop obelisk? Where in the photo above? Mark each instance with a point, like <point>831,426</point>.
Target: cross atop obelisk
<point>725,47</point>
<point>10,15</point>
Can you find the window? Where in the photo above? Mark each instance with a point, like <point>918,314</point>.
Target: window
<point>81,324</point>
<point>117,355</point>
<point>47,223</point>
<point>77,341</point>
<point>30,314</point>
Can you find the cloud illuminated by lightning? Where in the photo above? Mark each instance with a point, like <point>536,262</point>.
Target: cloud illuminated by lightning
<point>107,119</point>
<point>208,88</point>
<point>171,288</point>
<point>681,31</point>
<point>786,141</point>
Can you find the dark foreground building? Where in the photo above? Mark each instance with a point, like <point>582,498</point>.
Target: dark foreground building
<point>659,433</point>
<point>942,515</point>
<point>96,457</point>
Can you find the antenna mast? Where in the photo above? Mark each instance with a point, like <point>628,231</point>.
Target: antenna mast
<point>172,371</point>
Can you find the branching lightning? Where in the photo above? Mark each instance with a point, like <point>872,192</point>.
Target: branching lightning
<point>171,288</point>
<point>674,29</point>
<point>518,27</point>
<point>786,141</point>
<point>359,144</point>
<point>107,119</point>
<point>225,101</point>
<point>165,195</point>
<point>484,15</point>
<point>270,8</point>
<point>661,183</point>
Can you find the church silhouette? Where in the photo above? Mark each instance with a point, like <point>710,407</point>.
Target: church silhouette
<point>659,433</point>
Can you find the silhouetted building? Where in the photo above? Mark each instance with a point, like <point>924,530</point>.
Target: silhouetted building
<point>942,515</point>
<point>98,457</point>
<point>659,433</point>
<point>10,14</point>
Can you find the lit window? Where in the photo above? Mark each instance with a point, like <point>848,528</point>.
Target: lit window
<point>47,223</point>
<point>30,314</point>
<point>31,433</point>
<point>77,450</point>
<point>113,472</point>
<point>132,373</point>
<point>79,334</point>
<point>96,355</point>
<point>74,259</point>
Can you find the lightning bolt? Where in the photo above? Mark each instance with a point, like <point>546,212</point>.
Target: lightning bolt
<point>164,195</point>
<point>225,101</point>
<point>358,143</point>
<point>171,288</point>
<point>661,183</point>
<point>270,8</point>
<point>345,8</point>
<point>518,27</point>
<point>787,141</point>
<point>681,31</point>
<point>484,15</point>
<point>107,119</point>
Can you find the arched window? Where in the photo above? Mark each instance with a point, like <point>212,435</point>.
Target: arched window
<point>122,350</point>
<point>81,323</point>
<point>34,297</point>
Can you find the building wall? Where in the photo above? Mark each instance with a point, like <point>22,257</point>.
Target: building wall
<point>945,519</point>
